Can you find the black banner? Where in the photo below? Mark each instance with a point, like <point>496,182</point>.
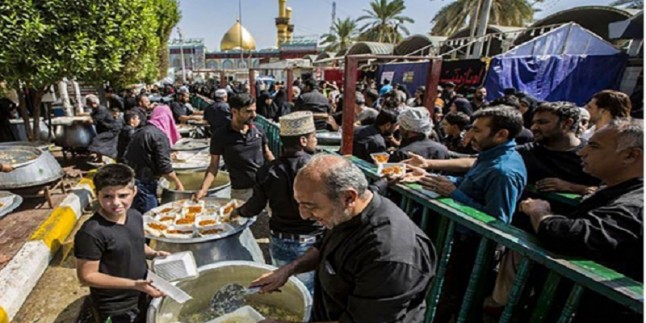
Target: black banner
<point>464,73</point>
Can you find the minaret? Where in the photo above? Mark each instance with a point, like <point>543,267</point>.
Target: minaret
<point>290,26</point>
<point>282,23</point>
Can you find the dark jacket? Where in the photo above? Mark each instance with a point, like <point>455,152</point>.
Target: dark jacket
<point>313,101</point>
<point>422,146</point>
<point>124,139</point>
<point>148,153</point>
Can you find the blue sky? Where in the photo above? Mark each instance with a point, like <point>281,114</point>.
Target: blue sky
<point>210,19</point>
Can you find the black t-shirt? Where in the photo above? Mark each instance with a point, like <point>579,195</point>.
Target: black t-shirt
<point>120,252</point>
<point>422,146</point>
<point>179,110</point>
<point>543,163</point>
<point>218,115</point>
<point>148,153</point>
<point>242,153</point>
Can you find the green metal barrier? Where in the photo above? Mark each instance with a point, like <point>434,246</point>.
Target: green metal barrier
<point>272,131</point>
<point>439,219</point>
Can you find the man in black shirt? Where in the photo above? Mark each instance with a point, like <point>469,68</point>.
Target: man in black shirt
<point>415,125</point>
<point>243,147</point>
<point>218,114</point>
<point>291,235</point>
<point>608,226</point>
<point>111,251</point>
<point>181,110</point>
<point>551,160</point>
<point>113,100</point>
<point>373,263</point>
<point>313,100</point>
<point>371,138</point>
<point>143,109</point>
<point>454,127</point>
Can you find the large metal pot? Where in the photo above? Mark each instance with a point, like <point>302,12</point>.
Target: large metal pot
<point>73,132</point>
<point>44,170</point>
<point>42,145</point>
<point>18,129</point>
<point>294,296</point>
<point>192,181</point>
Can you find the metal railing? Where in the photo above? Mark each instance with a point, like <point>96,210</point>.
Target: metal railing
<point>439,219</point>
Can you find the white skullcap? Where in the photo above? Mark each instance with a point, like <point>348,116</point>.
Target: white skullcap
<point>416,119</point>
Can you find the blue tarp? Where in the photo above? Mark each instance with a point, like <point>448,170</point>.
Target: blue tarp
<point>569,63</point>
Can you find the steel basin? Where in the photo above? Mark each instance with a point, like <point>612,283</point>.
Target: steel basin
<point>293,297</point>
<point>44,170</point>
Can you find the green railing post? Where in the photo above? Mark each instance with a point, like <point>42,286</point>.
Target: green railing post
<point>545,300</point>
<point>475,291</point>
<point>571,305</point>
<point>435,292</point>
<point>517,289</point>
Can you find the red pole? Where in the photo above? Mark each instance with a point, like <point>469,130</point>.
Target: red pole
<point>252,83</point>
<point>288,84</point>
<point>223,80</point>
<point>432,81</point>
<point>349,87</point>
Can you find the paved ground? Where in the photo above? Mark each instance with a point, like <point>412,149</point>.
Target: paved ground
<point>17,227</point>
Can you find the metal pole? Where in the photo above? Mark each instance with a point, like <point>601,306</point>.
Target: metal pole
<point>252,83</point>
<point>240,21</point>
<point>288,84</point>
<point>181,53</point>
<point>474,23</point>
<point>432,81</point>
<point>349,87</point>
<point>482,28</point>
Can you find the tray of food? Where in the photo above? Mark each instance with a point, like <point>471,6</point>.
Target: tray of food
<point>395,169</point>
<point>189,222</point>
<point>185,128</point>
<point>191,144</point>
<point>19,156</point>
<point>380,158</point>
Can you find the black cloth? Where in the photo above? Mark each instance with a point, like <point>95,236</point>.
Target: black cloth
<point>115,101</point>
<point>475,107</point>
<point>524,136</point>
<point>103,120</point>
<point>543,163</point>
<point>273,111</point>
<point>243,153</point>
<point>422,146</point>
<point>368,140</point>
<point>179,109</point>
<point>125,135</point>
<point>143,115</point>
<point>120,252</point>
<point>316,102</point>
<point>455,144</point>
<point>130,102</point>
<point>275,183</point>
<point>6,105</point>
<point>218,115</point>
<point>373,268</point>
<point>148,153</point>
<point>607,227</point>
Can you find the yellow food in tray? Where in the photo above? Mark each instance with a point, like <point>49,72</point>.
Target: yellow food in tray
<point>380,158</point>
<point>185,220</point>
<point>206,222</point>
<point>178,231</point>
<point>157,226</point>
<point>210,231</point>
<point>396,169</point>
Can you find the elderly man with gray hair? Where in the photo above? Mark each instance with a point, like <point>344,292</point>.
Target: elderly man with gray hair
<point>373,263</point>
<point>415,126</point>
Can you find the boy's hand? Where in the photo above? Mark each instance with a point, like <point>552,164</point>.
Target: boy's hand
<point>145,286</point>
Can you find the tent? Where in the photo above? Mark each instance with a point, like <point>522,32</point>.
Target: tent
<point>569,63</point>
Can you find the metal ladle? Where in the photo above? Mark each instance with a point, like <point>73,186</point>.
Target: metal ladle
<point>230,297</point>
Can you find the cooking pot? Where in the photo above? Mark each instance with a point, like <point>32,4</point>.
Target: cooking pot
<point>192,181</point>
<point>73,132</point>
<point>18,129</point>
<point>294,296</point>
<point>45,169</point>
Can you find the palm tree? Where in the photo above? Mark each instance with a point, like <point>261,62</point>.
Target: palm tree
<point>384,21</point>
<point>343,33</point>
<point>453,17</point>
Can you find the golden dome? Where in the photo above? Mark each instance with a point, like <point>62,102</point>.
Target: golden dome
<point>231,40</point>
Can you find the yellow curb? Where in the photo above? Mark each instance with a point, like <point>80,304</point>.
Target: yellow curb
<point>4,318</point>
<point>87,179</point>
<point>56,228</point>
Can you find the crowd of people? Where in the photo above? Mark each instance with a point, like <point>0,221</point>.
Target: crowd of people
<point>359,254</point>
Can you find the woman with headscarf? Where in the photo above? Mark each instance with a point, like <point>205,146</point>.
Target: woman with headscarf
<point>148,153</point>
<point>268,108</point>
<point>461,104</point>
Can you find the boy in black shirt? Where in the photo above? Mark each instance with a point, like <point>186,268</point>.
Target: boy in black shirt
<point>111,251</point>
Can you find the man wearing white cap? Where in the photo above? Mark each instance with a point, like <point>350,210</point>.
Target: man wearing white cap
<point>291,235</point>
<point>415,126</point>
<point>218,114</point>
